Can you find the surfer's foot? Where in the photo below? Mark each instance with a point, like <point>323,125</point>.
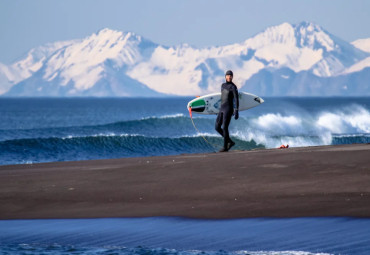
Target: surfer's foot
<point>223,150</point>
<point>230,144</point>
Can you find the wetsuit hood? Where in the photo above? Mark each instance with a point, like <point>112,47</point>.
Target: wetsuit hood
<point>229,72</point>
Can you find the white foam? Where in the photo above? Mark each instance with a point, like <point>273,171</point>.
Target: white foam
<point>353,120</point>
<point>297,130</point>
<point>169,116</point>
<point>99,135</point>
<point>279,253</point>
<point>27,162</point>
<point>244,252</point>
<point>176,115</point>
<point>201,134</point>
<point>293,141</point>
<point>276,122</point>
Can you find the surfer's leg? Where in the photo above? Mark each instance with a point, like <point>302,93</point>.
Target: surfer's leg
<point>219,123</point>
<point>226,120</point>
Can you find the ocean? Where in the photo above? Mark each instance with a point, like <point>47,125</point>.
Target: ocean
<point>54,129</point>
<point>34,130</point>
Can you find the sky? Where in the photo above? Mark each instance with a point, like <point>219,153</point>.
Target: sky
<point>25,24</point>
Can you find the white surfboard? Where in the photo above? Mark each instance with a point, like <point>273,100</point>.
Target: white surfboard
<point>210,104</point>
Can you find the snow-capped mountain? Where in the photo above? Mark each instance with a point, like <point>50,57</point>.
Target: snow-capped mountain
<point>301,60</point>
<point>94,66</point>
<point>300,48</point>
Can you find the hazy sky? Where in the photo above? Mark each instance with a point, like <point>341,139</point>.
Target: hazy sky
<point>25,24</point>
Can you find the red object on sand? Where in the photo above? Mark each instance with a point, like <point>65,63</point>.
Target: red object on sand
<point>284,147</point>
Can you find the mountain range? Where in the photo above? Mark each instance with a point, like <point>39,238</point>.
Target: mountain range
<point>284,60</point>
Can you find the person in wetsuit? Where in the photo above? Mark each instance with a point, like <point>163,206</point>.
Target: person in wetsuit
<point>229,93</point>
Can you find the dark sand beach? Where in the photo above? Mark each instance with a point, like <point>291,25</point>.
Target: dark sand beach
<point>294,182</point>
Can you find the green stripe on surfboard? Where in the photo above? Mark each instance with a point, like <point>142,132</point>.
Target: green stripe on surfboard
<point>198,103</point>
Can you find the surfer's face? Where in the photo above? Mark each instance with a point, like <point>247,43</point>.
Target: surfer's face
<point>229,78</point>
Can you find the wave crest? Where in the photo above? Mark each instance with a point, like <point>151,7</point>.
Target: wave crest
<point>102,146</point>
<point>355,120</point>
<point>304,129</point>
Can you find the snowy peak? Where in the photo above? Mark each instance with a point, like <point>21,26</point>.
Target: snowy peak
<point>305,46</point>
<point>106,39</point>
<point>313,36</point>
<point>305,34</point>
<point>281,34</point>
<point>293,46</point>
<point>83,63</point>
<point>362,44</point>
<point>108,44</point>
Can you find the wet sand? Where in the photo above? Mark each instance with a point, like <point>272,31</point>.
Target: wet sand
<point>294,182</point>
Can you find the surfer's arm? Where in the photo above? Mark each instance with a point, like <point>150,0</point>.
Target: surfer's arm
<point>236,97</point>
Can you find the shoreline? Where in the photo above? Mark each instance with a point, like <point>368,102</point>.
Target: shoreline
<point>320,181</point>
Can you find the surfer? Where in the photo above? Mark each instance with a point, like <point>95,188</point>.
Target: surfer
<point>229,93</point>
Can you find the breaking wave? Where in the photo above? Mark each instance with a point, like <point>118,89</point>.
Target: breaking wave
<point>104,146</point>
<point>345,126</point>
<point>175,134</point>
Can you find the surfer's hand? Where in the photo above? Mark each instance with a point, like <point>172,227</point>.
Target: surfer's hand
<point>236,114</point>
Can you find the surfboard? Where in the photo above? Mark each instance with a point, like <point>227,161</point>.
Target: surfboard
<point>211,103</point>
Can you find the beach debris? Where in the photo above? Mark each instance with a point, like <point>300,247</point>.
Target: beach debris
<point>284,146</point>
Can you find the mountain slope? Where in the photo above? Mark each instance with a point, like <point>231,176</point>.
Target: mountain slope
<point>285,82</point>
<point>28,65</point>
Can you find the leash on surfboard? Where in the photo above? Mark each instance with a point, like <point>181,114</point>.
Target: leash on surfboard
<point>214,146</point>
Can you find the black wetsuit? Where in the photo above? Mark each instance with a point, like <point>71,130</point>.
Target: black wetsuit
<point>229,92</point>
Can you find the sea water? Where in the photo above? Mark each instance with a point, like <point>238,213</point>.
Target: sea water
<point>163,235</point>
<point>50,129</point>
<point>36,130</point>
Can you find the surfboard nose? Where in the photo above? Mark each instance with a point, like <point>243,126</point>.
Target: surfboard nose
<point>259,100</point>
<point>197,105</point>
